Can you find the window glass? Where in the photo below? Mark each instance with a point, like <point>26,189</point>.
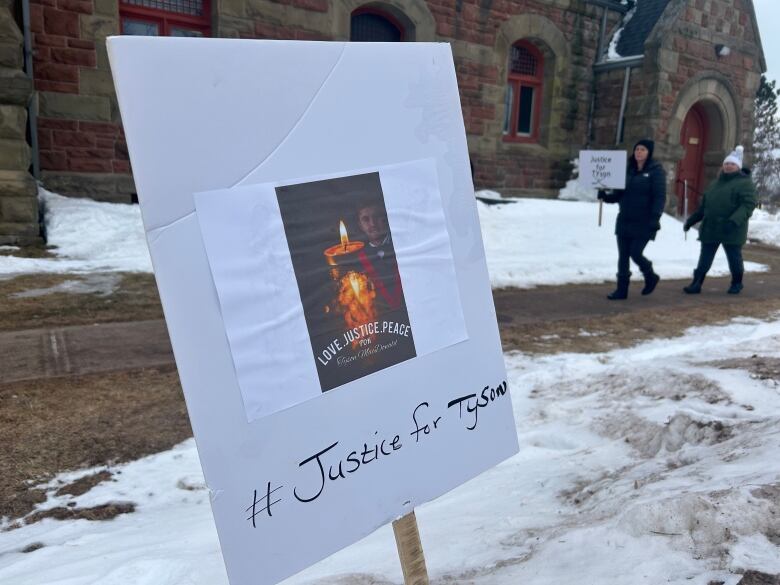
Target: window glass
<point>368,26</point>
<point>177,31</point>
<point>523,62</point>
<point>131,26</point>
<point>192,7</point>
<point>525,112</point>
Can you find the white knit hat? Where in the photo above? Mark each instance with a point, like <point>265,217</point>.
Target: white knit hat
<point>735,156</point>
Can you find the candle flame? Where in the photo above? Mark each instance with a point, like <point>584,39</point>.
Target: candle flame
<point>356,298</point>
<point>353,280</point>
<point>343,234</point>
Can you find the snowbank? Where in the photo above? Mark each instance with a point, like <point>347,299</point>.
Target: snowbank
<point>574,191</point>
<point>764,227</point>
<point>529,242</point>
<point>89,236</point>
<point>640,465</point>
<point>551,242</point>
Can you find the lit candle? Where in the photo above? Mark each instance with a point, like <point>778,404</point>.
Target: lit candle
<point>345,252</point>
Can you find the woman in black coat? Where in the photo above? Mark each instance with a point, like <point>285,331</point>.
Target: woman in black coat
<point>641,206</point>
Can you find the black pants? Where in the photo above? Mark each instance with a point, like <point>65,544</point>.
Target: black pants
<point>733,255</point>
<point>631,249</point>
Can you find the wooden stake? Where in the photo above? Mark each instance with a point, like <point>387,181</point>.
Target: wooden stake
<point>407,539</point>
<point>601,209</point>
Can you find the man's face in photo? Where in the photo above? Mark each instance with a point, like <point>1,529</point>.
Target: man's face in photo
<point>373,222</point>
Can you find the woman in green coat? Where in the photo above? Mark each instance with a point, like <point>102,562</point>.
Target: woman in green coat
<point>724,212</point>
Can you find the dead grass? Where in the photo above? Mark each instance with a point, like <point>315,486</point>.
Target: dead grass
<point>52,425</point>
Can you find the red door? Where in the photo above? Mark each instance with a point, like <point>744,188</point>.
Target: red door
<point>690,170</point>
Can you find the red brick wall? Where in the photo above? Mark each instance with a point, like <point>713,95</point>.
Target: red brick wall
<point>82,146</point>
<point>59,54</point>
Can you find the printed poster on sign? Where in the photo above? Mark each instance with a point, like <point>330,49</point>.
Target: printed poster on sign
<point>345,266</point>
<point>602,169</point>
<point>326,280</point>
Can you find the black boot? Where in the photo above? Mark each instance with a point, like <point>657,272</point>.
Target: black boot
<point>695,287</point>
<point>736,284</point>
<point>651,279</point>
<point>621,292</point>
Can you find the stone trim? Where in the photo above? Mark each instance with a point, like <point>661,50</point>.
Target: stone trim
<point>713,88</point>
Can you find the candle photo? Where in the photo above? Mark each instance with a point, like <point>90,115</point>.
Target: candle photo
<point>345,266</point>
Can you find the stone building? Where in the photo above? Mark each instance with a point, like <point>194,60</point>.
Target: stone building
<point>539,80</point>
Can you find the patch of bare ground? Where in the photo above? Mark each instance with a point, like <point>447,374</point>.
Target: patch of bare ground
<point>760,367</point>
<point>48,426</point>
<point>759,578</point>
<point>134,298</point>
<point>39,251</point>
<point>102,512</point>
<point>607,332</point>
<point>82,485</point>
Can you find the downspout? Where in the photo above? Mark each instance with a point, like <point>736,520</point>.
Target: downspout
<point>32,104</point>
<point>599,55</point>
<point>623,103</point>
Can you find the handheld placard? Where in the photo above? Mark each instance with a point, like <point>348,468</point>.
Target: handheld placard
<point>602,169</point>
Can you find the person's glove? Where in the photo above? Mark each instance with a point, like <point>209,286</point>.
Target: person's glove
<point>688,225</point>
<point>729,226</point>
<point>601,194</point>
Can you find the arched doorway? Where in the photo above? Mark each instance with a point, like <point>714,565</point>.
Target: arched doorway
<point>690,170</point>
<point>369,24</point>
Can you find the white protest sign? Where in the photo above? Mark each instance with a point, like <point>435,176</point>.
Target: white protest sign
<point>335,378</point>
<point>602,169</point>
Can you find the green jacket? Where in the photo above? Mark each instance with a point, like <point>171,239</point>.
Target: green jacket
<point>725,208</point>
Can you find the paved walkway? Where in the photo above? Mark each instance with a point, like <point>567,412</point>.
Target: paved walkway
<point>560,303</point>
<point>64,351</point>
<point>86,349</point>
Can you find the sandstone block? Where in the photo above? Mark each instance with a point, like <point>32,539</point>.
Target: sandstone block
<point>17,184</point>
<point>75,107</point>
<point>19,209</point>
<point>14,155</point>
<point>13,122</point>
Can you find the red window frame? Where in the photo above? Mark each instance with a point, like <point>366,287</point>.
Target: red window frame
<point>381,13</point>
<point>517,81</point>
<point>166,19</point>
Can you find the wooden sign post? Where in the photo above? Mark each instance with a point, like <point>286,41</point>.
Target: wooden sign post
<point>410,551</point>
<point>685,204</point>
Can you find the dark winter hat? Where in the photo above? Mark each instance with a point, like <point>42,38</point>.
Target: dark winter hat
<point>648,144</point>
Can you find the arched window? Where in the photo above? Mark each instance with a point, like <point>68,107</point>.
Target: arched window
<point>173,18</point>
<point>372,25</point>
<point>524,93</point>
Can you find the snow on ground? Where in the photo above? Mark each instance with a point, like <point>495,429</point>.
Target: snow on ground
<point>765,227</point>
<point>642,465</point>
<point>89,236</point>
<point>532,242</point>
<point>528,243</point>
